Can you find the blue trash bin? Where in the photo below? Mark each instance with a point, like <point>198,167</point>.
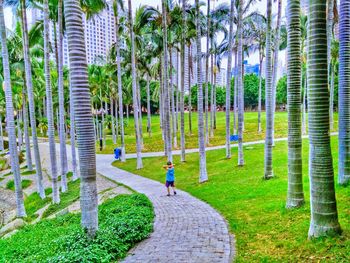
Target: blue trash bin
<point>233,138</point>
<point>117,153</point>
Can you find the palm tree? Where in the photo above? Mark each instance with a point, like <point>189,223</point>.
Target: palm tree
<point>182,101</point>
<point>119,75</point>
<point>26,131</point>
<point>134,89</point>
<point>268,97</point>
<point>203,176</point>
<point>330,22</point>
<point>50,118</point>
<point>165,83</point>
<point>324,215</point>
<point>29,85</point>
<point>295,197</point>
<point>206,96</point>
<point>62,134</point>
<point>228,81</point>
<point>10,117</point>
<point>83,115</point>
<point>344,94</point>
<point>240,96</point>
<point>275,66</point>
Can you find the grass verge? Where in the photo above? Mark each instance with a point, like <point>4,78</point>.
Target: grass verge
<point>25,184</point>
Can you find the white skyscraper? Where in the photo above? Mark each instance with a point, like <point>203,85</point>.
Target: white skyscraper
<point>99,34</point>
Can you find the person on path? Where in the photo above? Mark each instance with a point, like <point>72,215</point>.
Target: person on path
<point>170,177</point>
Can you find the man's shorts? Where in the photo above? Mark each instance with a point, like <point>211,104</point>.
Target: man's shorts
<point>169,183</point>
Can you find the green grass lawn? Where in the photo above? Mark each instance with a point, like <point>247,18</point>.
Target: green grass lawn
<point>123,222</point>
<point>255,209</point>
<point>155,143</point>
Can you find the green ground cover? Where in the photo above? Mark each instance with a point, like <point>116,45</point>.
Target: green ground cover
<point>155,143</point>
<point>255,209</point>
<point>25,184</point>
<point>123,221</point>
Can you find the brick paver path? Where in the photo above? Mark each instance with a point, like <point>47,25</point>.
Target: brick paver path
<point>185,228</point>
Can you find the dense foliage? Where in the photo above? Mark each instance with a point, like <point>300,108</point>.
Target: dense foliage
<point>124,221</point>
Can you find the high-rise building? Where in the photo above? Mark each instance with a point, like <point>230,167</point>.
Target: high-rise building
<point>99,34</point>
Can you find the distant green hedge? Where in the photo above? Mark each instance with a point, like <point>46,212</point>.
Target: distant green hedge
<point>123,222</point>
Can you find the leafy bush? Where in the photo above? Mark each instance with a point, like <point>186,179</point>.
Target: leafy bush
<point>123,221</point>
<point>11,184</point>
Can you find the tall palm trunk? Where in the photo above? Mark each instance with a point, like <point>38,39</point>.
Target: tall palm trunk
<point>331,98</point>
<point>120,87</point>
<point>211,134</point>
<point>172,91</point>
<point>11,129</point>
<point>49,106</point>
<point>72,135</point>
<point>83,115</point>
<point>189,90</point>
<point>240,85</point>
<point>2,148</point>
<point>304,106</point>
<point>26,132</point>
<point>295,197</point>
<point>19,131</point>
<point>149,130</point>
<point>203,175</point>
<point>62,134</point>
<point>268,97</point>
<point>134,90</point>
<point>166,85</point>
<point>139,106</point>
<point>116,119</point>
<point>235,95</point>
<point>275,67</point>
<point>206,96</point>
<point>344,93</point>
<point>260,84</point>
<point>182,94</point>
<point>324,215</point>
<point>111,102</point>
<point>330,18</point>
<point>228,81</point>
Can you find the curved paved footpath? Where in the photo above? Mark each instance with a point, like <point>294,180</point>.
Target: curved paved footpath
<point>185,228</point>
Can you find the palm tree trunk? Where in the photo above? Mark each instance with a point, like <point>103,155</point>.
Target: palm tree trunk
<point>331,100</point>
<point>120,89</point>
<point>112,119</point>
<point>235,94</point>
<point>83,115</point>
<point>228,82</point>
<point>140,110</point>
<point>62,134</point>
<point>275,67</point>
<point>344,93</point>
<point>240,85</point>
<point>105,111</point>
<point>172,91</point>
<point>166,88</point>
<point>212,95</point>
<point>324,215</point>
<point>149,130</point>
<point>134,90</point>
<point>189,90</point>
<point>206,96</point>
<point>10,118</point>
<point>177,90</point>
<point>50,118</point>
<point>268,97</point>
<point>295,196</point>
<point>2,148</point>
<point>203,175</point>
<point>182,94</point>
<point>72,135</point>
<point>26,132</point>
<point>304,105</point>
<point>19,131</point>
<point>330,18</point>
<point>116,119</point>
<point>259,99</point>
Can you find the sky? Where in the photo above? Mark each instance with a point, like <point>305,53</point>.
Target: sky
<point>259,6</point>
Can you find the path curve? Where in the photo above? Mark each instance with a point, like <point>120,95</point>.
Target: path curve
<point>185,228</point>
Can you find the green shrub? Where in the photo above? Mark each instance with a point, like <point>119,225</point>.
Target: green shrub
<point>11,184</point>
<point>123,222</point>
